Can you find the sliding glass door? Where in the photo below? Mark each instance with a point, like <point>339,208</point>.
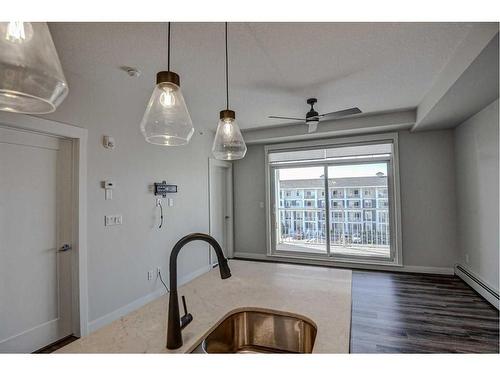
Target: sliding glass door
<point>333,203</point>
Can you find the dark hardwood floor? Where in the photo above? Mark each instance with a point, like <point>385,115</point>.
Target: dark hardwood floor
<point>416,313</point>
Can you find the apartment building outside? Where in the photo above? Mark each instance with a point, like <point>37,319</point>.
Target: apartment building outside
<point>359,212</point>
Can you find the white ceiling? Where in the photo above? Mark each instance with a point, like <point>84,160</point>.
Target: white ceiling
<point>274,67</point>
<point>476,87</point>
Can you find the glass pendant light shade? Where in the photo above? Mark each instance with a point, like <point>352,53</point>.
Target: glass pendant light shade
<point>166,120</point>
<point>31,77</point>
<point>228,142</point>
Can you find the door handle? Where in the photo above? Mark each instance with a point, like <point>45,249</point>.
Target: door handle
<point>64,248</point>
<point>227,217</point>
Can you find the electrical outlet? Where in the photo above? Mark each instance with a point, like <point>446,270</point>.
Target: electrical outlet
<point>158,270</point>
<point>150,275</point>
<point>467,258</point>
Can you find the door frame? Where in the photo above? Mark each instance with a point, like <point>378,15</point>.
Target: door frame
<point>212,164</point>
<point>79,138</point>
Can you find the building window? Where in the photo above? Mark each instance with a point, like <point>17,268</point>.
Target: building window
<point>338,216</point>
<point>337,193</point>
<point>383,217</point>
<point>354,204</point>
<point>354,216</point>
<point>382,193</point>
<point>369,193</point>
<point>309,194</point>
<point>337,204</point>
<point>383,203</point>
<point>352,193</point>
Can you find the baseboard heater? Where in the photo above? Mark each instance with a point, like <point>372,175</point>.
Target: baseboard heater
<point>478,285</point>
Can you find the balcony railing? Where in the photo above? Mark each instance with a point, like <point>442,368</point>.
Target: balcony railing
<point>362,234</point>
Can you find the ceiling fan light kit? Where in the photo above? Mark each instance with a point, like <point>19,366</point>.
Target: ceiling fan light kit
<point>312,117</point>
<point>31,77</point>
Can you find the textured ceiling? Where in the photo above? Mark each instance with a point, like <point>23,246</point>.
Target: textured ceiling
<point>274,67</point>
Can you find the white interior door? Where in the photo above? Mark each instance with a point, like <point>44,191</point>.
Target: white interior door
<point>221,206</point>
<point>35,222</point>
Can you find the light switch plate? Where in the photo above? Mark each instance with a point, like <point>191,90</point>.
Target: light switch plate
<point>108,194</point>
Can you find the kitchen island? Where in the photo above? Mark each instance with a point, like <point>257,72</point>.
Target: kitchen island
<point>319,293</point>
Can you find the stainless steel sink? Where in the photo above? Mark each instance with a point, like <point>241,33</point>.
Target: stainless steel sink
<point>261,331</point>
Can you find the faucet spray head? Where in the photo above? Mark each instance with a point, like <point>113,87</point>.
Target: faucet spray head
<point>225,272</point>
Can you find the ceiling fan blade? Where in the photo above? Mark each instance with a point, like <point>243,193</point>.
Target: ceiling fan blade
<point>342,113</point>
<point>287,118</point>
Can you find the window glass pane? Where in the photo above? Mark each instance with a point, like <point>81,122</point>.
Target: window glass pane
<point>359,210</point>
<point>301,215</point>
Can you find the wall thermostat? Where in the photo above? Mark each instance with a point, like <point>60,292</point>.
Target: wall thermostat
<point>162,188</point>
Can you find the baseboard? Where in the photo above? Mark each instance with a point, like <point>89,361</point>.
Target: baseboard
<point>244,255</point>
<point>319,262</point>
<point>138,303</point>
<point>31,339</point>
<point>429,270</point>
<point>487,291</point>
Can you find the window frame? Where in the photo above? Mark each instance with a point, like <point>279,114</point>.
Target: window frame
<point>393,198</point>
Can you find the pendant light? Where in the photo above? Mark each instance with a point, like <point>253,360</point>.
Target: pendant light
<point>228,143</point>
<point>31,78</point>
<point>166,121</point>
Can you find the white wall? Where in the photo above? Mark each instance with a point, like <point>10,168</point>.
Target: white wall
<point>427,200</point>
<point>476,155</point>
<point>249,190</point>
<point>428,214</point>
<point>119,257</point>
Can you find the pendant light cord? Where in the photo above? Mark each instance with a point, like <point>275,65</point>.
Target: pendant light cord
<point>227,74</point>
<point>168,48</point>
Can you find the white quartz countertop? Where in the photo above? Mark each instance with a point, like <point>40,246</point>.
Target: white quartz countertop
<point>321,294</point>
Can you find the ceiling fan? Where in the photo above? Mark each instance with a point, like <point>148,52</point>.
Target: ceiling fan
<point>312,117</point>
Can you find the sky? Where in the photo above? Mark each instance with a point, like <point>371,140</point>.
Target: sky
<point>338,171</point>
